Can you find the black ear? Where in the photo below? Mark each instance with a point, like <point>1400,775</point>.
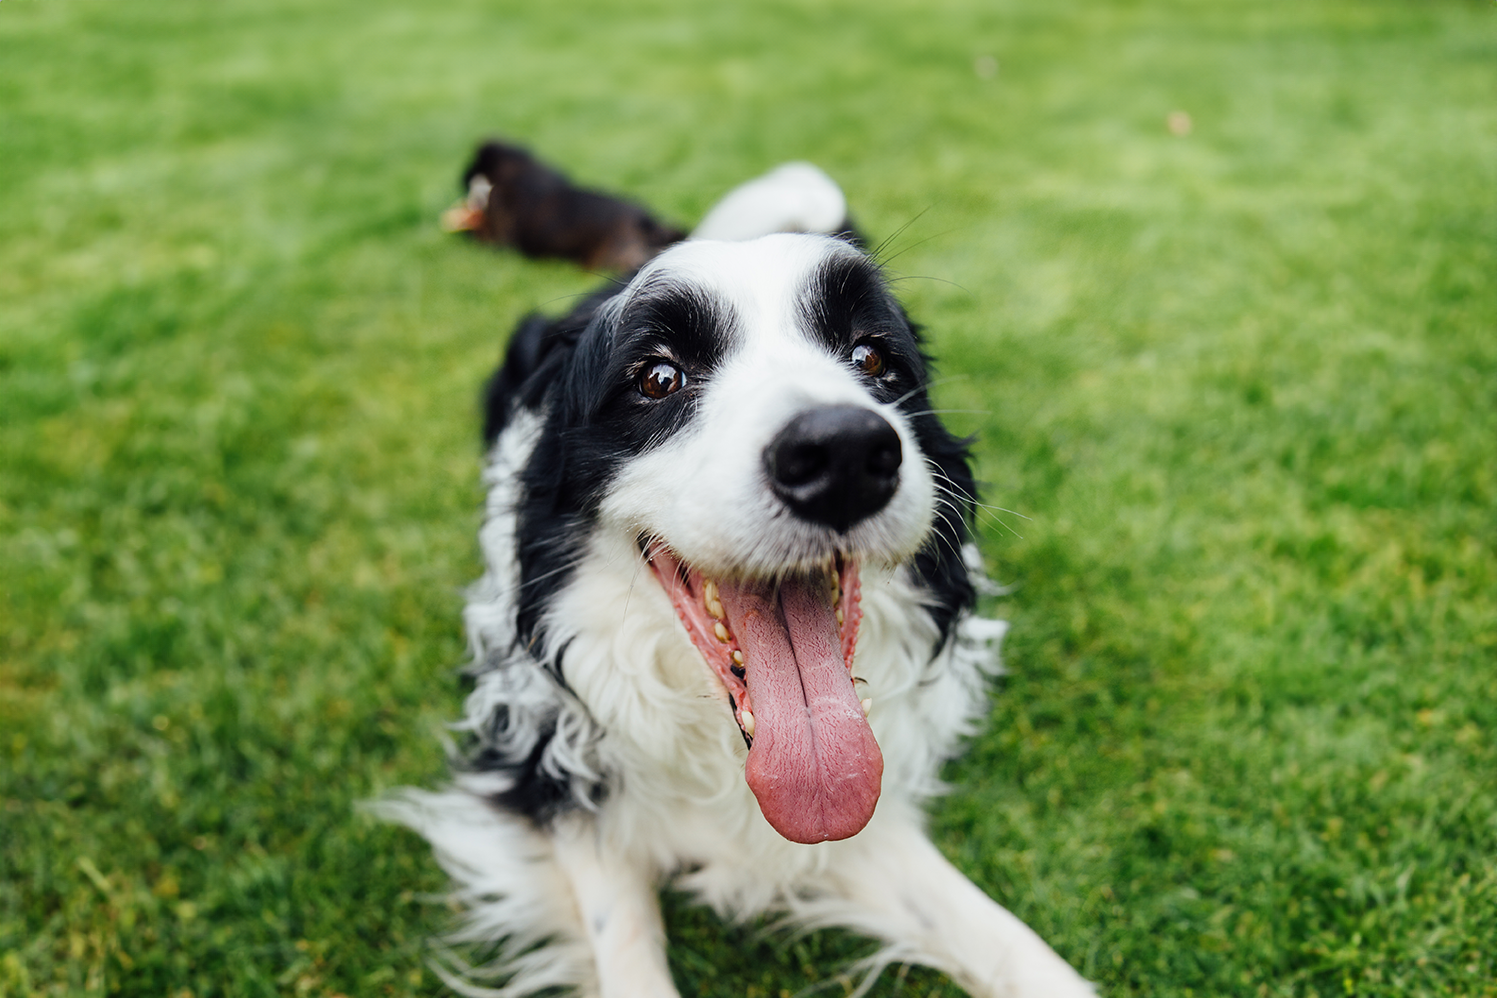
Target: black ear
<point>940,567</point>
<point>536,356</point>
<point>527,348</point>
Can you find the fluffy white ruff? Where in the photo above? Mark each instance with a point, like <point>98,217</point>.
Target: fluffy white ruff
<point>683,801</point>
<point>683,812</point>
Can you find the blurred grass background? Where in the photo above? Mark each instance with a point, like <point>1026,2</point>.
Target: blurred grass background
<point>1239,378</point>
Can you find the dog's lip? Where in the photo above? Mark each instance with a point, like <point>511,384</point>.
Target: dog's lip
<point>688,589</point>
<point>688,592</point>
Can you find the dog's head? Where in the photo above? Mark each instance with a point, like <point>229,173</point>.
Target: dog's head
<point>753,417</point>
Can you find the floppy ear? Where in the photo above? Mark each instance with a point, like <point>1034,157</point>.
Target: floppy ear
<point>940,566</point>
<point>527,348</point>
<point>537,353</point>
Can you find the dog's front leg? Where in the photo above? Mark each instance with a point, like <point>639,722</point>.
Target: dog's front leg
<point>902,889</point>
<point>620,911</point>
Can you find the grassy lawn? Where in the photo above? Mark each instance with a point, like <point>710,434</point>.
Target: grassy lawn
<point>1239,384</point>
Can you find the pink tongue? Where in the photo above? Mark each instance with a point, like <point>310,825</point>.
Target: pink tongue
<point>814,765</point>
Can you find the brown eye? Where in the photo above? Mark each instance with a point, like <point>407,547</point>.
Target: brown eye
<point>867,359</point>
<point>661,379</point>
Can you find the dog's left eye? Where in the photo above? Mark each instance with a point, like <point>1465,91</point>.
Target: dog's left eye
<point>868,360</point>
<point>661,379</point>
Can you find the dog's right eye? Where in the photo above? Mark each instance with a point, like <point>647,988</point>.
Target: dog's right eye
<point>867,359</point>
<point>661,379</point>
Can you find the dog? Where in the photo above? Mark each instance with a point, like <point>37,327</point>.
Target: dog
<point>513,199</point>
<point>726,633</point>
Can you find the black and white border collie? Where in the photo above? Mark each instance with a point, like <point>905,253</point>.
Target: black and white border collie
<point>725,637</point>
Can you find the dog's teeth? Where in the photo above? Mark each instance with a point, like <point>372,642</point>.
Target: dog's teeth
<point>839,615</point>
<point>747,720</point>
<point>720,631</point>
<point>737,657</point>
<point>716,609</point>
<point>711,600</point>
<point>867,706</point>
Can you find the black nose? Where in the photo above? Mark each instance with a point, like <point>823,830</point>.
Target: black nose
<point>834,465</point>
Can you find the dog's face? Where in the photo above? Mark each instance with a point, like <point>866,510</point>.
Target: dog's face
<point>753,416</point>
<point>762,384</point>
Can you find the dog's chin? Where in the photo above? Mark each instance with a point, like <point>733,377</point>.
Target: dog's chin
<point>783,649</point>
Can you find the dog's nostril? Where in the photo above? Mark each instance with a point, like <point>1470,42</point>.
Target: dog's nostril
<point>835,465</point>
<point>884,458</point>
<point>797,464</point>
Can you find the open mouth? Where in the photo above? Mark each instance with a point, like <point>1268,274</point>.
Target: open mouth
<point>783,650</point>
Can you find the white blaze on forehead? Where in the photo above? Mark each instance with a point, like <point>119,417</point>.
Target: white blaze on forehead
<point>704,492</point>
<point>760,282</point>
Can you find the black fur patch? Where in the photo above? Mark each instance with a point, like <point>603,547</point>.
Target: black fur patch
<point>535,792</point>
<point>537,351</point>
<point>599,420</point>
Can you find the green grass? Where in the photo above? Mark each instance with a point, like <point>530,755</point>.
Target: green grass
<point>1241,384</point>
